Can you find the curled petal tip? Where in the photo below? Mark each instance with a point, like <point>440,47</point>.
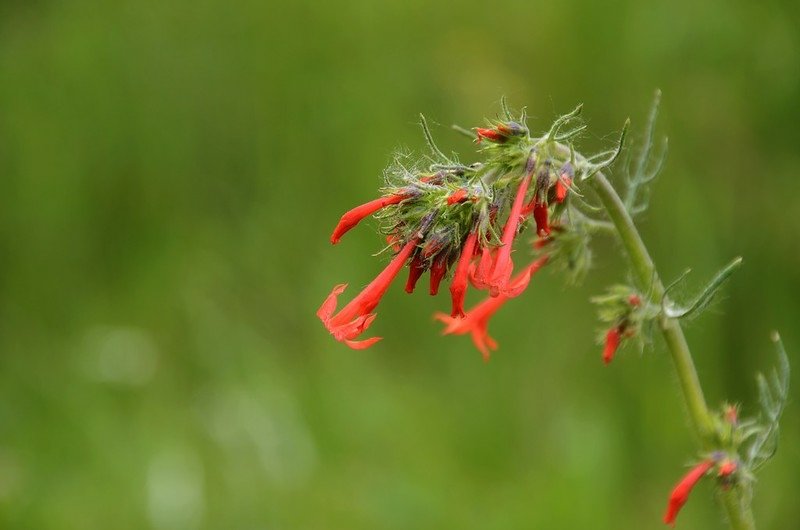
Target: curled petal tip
<point>362,344</point>
<point>329,305</point>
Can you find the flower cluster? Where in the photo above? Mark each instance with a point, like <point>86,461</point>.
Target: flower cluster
<point>625,312</point>
<point>461,222</point>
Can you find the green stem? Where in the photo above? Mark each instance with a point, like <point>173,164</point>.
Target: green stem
<point>735,502</point>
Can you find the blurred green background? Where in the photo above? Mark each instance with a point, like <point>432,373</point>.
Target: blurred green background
<point>170,173</point>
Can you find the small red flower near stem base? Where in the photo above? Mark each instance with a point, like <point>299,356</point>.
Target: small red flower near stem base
<point>503,266</point>
<point>476,320</point>
<point>681,492</point>
<point>352,217</point>
<point>613,337</point>
<point>354,318</point>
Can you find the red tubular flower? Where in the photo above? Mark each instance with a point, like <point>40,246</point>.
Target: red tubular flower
<point>415,270</point>
<point>354,216</point>
<point>479,276</point>
<point>493,135</point>
<point>476,321</point>
<point>540,216</point>
<point>458,196</point>
<point>681,492</point>
<point>458,287</point>
<point>503,266</point>
<point>438,270</point>
<point>354,318</point>
<point>613,337</point>
<point>564,182</point>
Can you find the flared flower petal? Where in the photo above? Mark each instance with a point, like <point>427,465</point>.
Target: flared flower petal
<point>681,492</point>
<point>476,320</point>
<point>354,318</point>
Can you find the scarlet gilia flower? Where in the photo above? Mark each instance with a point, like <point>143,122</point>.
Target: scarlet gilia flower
<point>476,320</point>
<point>503,265</point>
<point>458,287</point>
<point>354,318</point>
<point>681,492</point>
<point>354,216</point>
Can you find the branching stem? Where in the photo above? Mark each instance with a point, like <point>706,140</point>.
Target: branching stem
<point>735,501</point>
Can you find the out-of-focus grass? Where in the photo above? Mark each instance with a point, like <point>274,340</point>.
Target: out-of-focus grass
<point>169,175</point>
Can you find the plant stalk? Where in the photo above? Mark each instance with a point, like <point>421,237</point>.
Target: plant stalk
<point>736,504</point>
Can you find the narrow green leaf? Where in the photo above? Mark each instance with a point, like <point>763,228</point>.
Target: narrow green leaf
<point>772,395</point>
<point>705,297</point>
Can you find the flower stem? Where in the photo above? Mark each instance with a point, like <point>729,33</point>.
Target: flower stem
<point>736,503</point>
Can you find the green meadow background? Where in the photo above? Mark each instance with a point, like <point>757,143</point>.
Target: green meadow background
<point>170,172</point>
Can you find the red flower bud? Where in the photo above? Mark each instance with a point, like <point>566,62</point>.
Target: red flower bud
<point>352,217</point>
<point>458,196</point>
<point>727,468</point>
<point>681,492</point>
<point>634,300</point>
<point>438,270</point>
<point>493,135</point>
<point>564,182</point>
<point>540,216</point>
<point>613,337</point>
<point>562,188</point>
<point>415,270</point>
